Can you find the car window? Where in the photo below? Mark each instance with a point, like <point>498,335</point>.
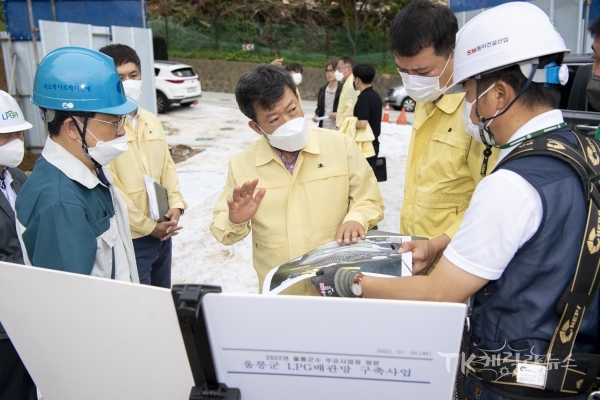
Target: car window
<point>183,72</point>
<point>565,91</point>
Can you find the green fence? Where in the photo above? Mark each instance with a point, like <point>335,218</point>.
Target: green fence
<point>309,45</point>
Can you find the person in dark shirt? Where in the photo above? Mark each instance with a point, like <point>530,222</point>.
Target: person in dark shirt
<point>328,98</point>
<point>368,106</point>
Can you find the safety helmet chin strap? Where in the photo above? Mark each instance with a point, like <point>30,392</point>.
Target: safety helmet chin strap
<point>487,152</point>
<point>523,89</point>
<point>97,166</point>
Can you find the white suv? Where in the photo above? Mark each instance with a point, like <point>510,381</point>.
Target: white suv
<point>176,83</point>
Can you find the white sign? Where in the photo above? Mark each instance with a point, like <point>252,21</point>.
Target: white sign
<point>532,374</point>
<point>90,338</point>
<point>297,347</point>
<point>248,47</point>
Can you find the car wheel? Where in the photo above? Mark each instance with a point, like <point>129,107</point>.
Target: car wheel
<point>162,104</point>
<point>185,104</point>
<point>408,104</point>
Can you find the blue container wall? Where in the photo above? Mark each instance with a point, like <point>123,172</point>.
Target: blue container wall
<point>94,12</point>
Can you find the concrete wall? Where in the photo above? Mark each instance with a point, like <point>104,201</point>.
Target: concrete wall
<point>222,76</point>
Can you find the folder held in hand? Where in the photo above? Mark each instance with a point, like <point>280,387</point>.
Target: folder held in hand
<point>157,199</point>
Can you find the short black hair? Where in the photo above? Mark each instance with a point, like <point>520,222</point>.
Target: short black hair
<point>594,28</point>
<point>294,67</point>
<point>365,72</point>
<point>536,94</point>
<point>349,61</point>
<point>122,54</point>
<point>264,87</point>
<point>421,24</point>
<point>333,64</point>
<point>61,117</point>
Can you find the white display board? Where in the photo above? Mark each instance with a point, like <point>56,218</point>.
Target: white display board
<point>290,347</point>
<point>89,338</point>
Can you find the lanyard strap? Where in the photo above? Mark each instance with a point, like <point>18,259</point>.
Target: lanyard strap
<point>533,135</point>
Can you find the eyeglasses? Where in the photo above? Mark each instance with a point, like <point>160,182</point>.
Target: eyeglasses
<point>329,70</point>
<point>119,124</point>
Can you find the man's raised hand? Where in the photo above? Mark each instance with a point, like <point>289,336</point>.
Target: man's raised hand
<point>244,204</point>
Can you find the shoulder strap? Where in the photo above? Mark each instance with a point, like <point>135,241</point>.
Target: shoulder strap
<point>584,158</point>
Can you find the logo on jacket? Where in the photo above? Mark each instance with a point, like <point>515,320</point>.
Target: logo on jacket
<point>477,390</point>
<point>566,332</point>
<point>592,152</point>
<point>555,145</point>
<point>593,240</point>
<point>9,115</point>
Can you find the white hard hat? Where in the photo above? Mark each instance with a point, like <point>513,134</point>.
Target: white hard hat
<point>11,116</point>
<point>509,34</point>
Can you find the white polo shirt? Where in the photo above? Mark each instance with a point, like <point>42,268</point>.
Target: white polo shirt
<point>504,213</point>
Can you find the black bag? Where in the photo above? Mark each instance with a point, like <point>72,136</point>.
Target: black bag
<point>380,169</point>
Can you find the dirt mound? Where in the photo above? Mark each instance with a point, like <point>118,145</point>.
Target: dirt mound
<point>181,152</point>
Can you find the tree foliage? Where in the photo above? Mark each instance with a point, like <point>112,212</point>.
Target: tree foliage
<point>358,14</point>
<point>355,16</point>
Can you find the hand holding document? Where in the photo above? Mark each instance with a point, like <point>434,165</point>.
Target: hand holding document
<point>157,199</point>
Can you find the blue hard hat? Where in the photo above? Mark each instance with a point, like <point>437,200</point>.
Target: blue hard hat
<point>82,80</point>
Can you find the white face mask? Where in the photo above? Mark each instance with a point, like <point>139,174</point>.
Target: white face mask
<point>297,78</point>
<point>291,136</point>
<point>424,88</point>
<point>133,89</point>
<point>11,154</point>
<point>338,75</point>
<point>472,129</point>
<point>104,152</point>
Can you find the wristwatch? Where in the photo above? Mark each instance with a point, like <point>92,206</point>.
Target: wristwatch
<point>182,211</point>
<point>356,286</point>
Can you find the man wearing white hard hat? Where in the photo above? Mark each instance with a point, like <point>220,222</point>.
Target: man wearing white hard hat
<point>15,382</point>
<point>528,247</point>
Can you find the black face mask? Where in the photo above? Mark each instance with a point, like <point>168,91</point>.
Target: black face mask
<point>593,92</point>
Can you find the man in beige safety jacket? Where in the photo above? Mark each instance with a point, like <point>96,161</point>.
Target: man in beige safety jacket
<point>445,162</point>
<point>147,155</point>
<point>348,95</point>
<point>296,187</point>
